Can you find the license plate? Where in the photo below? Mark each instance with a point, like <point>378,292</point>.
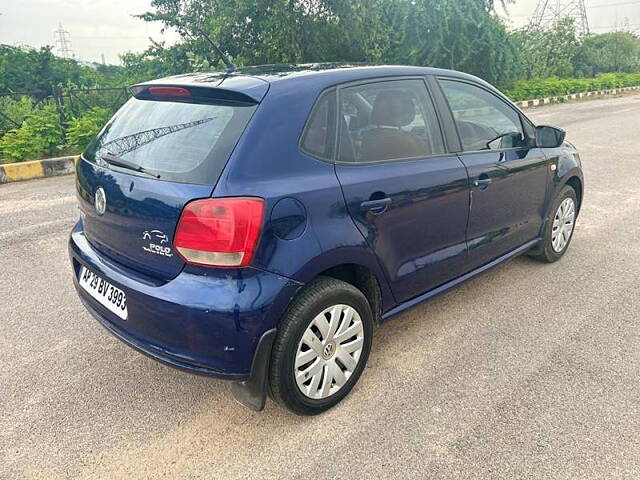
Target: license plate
<point>109,296</point>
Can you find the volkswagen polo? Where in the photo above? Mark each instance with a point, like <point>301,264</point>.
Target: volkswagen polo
<point>257,225</point>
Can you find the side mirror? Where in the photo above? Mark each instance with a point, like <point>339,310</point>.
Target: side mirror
<point>549,137</point>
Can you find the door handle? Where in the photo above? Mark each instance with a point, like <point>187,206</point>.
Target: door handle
<point>376,206</point>
<point>482,182</point>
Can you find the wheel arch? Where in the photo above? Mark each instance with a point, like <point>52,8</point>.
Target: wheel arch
<point>364,280</point>
<point>576,183</point>
<point>360,268</point>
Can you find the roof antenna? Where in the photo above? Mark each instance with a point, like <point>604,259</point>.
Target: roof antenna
<point>230,66</point>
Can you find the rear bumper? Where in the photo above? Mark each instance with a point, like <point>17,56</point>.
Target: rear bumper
<point>205,324</point>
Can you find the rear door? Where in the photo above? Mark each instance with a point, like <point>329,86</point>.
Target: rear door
<point>153,157</point>
<point>408,197</point>
<point>508,174</point>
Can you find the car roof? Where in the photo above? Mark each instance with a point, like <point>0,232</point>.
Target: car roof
<point>255,81</point>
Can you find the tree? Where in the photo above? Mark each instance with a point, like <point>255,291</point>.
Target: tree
<point>462,34</point>
<point>157,61</point>
<point>456,34</point>
<point>608,52</point>
<point>547,53</point>
<point>28,69</point>
<point>255,32</point>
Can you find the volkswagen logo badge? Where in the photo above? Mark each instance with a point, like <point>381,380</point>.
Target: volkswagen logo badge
<point>328,350</point>
<point>100,201</point>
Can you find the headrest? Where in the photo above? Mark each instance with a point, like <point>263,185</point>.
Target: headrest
<point>393,108</point>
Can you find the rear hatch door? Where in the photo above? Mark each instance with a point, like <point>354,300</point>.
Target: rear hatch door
<point>156,154</point>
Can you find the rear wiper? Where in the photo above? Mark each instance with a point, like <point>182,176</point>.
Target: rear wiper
<point>112,159</point>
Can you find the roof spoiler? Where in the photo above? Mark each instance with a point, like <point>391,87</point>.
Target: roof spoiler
<point>191,94</point>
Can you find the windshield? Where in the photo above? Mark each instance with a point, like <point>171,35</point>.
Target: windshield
<point>175,141</point>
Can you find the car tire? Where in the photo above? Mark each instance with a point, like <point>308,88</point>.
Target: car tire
<point>558,233</point>
<point>307,380</point>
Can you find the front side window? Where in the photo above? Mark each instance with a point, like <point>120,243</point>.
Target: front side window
<point>389,120</point>
<point>484,121</point>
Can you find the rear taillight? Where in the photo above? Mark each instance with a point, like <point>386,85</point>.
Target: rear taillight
<point>220,232</point>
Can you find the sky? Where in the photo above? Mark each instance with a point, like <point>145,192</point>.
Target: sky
<point>107,27</point>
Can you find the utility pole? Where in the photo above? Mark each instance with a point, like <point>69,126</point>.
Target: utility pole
<point>63,42</point>
<point>549,12</point>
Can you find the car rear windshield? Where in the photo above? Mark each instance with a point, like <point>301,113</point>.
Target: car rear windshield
<point>174,141</point>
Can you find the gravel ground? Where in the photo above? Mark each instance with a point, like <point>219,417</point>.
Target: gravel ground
<point>530,371</point>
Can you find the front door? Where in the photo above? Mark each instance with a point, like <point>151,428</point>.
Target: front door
<point>407,196</point>
<point>508,174</point>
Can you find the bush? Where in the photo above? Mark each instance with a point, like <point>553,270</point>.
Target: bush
<point>38,134</point>
<point>14,111</point>
<point>82,129</point>
<point>554,87</point>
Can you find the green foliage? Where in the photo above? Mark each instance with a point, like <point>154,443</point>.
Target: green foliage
<point>558,52</point>
<point>547,53</point>
<point>30,69</point>
<point>551,87</point>
<point>13,111</point>
<point>258,32</point>
<point>157,61</point>
<point>462,34</point>
<point>39,133</point>
<point>82,129</point>
<point>608,52</point>
<point>456,34</point>
<point>465,35</point>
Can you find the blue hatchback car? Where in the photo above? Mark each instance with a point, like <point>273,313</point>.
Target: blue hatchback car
<point>256,226</point>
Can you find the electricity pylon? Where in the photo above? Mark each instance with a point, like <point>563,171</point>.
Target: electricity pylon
<point>63,42</point>
<point>132,142</point>
<point>549,12</point>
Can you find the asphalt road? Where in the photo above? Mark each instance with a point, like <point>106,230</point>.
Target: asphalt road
<point>530,371</point>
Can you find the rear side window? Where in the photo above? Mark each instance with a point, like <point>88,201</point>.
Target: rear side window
<point>318,135</point>
<point>389,120</point>
<point>484,121</point>
<point>176,141</point>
